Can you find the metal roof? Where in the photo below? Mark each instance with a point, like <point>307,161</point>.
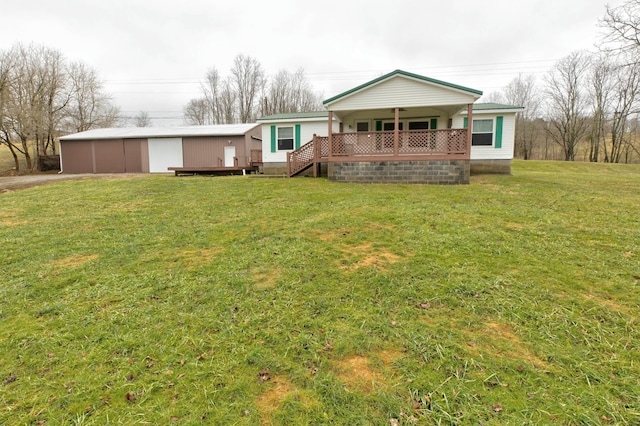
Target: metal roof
<point>492,105</point>
<point>295,116</point>
<point>406,74</point>
<point>162,132</point>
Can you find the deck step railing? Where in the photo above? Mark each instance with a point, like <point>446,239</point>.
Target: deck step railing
<point>307,155</point>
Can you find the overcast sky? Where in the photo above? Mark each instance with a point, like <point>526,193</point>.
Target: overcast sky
<point>152,54</point>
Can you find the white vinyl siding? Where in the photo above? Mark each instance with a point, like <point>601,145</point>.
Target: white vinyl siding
<point>508,135</point>
<point>307,130</point>
<point>401,92</point>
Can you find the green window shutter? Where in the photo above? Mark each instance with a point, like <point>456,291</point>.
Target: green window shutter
<point>434,124</point>
<point>297,140</point>
<point>378,126</point>
<point>466,122</point>
<point>273,139</point>
<point>499,121</point>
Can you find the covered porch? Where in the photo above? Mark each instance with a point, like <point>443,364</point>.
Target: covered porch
<point>395,145</point>
<point>393,128</point>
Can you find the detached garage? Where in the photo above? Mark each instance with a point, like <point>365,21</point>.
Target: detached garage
<point>162,150</point>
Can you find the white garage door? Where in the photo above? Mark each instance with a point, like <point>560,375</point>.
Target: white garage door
<point>164,153</point>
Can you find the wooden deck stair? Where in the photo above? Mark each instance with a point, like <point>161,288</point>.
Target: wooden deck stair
<point>309,154</point>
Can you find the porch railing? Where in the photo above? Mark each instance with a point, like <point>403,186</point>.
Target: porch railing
<point>379,146</point>
<point>255,158</point>
<point>447,142</point>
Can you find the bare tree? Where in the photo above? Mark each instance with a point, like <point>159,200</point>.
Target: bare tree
<point>290,93</point>
<point>248,80</point>
<point>247,93</point>
<point>40,97</point>
<point>522,91</point>
<point>197,112</point>
<point>601,92</point>
<point>622,26</point>
<point>211,91</point>
<point>142,119</point>
<point>227,103</point>
<point>567,102</point>
<point>89,106</point>
<point>6,81</point>
<point>622,39</point>
<point>626,91</point>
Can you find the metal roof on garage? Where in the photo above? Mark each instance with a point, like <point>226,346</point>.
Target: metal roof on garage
<point>162,132</point>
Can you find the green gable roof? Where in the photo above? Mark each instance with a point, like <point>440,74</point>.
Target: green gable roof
<point>492,105</point>
<point>295,115</point>
<point>406,74</point>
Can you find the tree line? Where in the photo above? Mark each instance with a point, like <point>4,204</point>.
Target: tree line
<point>247,93</point>
<point>43,94</point>
<point>586,107</point>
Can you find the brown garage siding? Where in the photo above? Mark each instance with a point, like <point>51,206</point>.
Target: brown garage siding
<point>208,151</point>
<point>109,156</point>
<point>76,156</point>
<point>135,151</point>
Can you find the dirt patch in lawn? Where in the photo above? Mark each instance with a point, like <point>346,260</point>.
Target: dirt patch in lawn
<point>499,339</point>
<point>269,401</point>
<point>73,261</point>
<point>198,257</point>
<point>367,256</point>
<point>611,305</point>
<point>361,373</point>
<point>265,278</point>
<point>9,222</point>
<point>516,226</point>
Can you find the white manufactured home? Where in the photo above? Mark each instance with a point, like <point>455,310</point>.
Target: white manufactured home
<point>401,127</point>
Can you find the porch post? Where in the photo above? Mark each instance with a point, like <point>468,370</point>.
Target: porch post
<point>315,156</point>
<point>396,133</point>
<point>469,129</point>
<point>330,134</point>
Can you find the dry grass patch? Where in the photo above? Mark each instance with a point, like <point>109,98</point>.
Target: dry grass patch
<point>516,226</point>
<point>195,258</point>
<point>74,261</point>
<point>359,371</point>
<point>389,356</point>
<point>266,278</point>
<point>367,257</point>
<point>331,235</point>
<point>499,339</point>
<point>9,222</point>
<point>11,218</point>
<point>269,401</point>
<point>611,305</point>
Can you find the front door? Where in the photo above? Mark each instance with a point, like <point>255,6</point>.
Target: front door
<point>229,156</point>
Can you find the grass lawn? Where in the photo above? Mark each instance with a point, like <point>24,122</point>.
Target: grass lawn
<point>159,300</point>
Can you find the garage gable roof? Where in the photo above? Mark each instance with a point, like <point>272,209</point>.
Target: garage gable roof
<point>162,132</point>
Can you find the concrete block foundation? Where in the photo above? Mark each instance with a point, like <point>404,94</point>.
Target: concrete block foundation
<point>437,172</point>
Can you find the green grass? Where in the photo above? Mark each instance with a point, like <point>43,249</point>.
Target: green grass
<point>513,300</point>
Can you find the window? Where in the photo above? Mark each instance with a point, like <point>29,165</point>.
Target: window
<point>362,126</point>
<point>391,125</point>
<point>418,125</point>
<point>285,138</point>
<point>482,133</point>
